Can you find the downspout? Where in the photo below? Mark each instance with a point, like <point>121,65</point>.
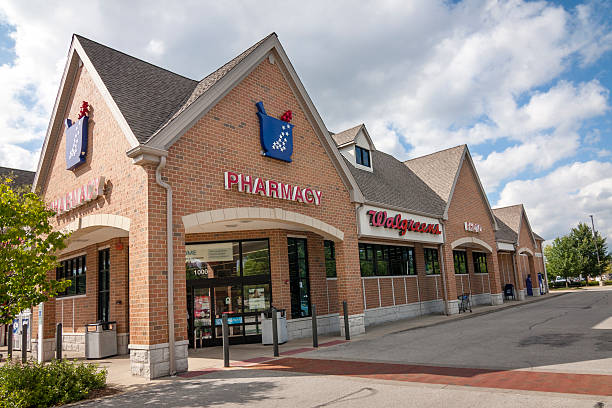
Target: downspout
<point>170,245</point>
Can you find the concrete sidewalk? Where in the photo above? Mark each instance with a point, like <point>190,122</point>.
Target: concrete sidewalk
<point>210,359</point>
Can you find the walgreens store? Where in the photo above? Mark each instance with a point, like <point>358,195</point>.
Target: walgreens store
<point>187,200</point>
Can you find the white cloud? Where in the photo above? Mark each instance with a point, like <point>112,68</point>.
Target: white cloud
<point>156,48</point>
<point>564,197</point>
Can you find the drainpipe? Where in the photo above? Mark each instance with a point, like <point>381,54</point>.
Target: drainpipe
<point>170,245</point>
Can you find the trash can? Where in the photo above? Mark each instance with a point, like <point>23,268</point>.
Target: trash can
<point>266,327</point>
<point>100,339</point>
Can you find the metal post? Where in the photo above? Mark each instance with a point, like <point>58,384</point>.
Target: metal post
<point>315,335</point>
<point>597,252</point>
<point>24,341</point>
<point>347,333</point>
<point>275,332</point>
<point>58,341</point>
<point>10,342</point>
<point>226,362</point>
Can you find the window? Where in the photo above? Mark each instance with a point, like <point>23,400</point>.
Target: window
<point>75,270</point>
<point>460,260</point>
<point>330,259</point>
<point>362,156</point>
<point>385,260</point>
<point>104,285</point>
<point>432,264</point>
<point>248,258</point>
<point>480,262</point>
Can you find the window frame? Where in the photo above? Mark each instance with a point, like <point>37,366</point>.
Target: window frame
<point>328,244</point>
<point>392,255</point>
<point>436,270</point>
<point>478,264</point>
<point>360,154</point>
<point>465,262</point>
<point>75,270</point>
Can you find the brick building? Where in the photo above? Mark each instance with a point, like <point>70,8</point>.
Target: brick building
<point>188,200</point>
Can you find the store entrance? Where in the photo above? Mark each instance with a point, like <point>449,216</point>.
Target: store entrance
<point>230,278</point>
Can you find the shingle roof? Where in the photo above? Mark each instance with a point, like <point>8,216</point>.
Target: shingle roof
<point>206,83</point>
<point>146,95</point>
<point>394,184</point>
<point>21,178</point>
<point>346,136</point>
<point>504,233</point>
<point>511,216</point>
<point>438,169</point>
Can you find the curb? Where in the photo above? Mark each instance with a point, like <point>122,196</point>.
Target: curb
<point>482,313</point>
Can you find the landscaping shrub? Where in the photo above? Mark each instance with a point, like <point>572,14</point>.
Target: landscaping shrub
<point>36,384</point>
<point>608,283</point>
<point>593,283</point>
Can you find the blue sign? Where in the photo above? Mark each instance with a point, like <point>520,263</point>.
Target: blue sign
<point>276,136</point>
<point>76,142</point>
<point>230,320</point>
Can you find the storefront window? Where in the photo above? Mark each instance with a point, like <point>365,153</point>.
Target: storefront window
<point>480,262</point>
<point>330,259</point>
<point>255,258</point>
<point>218,260</point>
<point>386,260</point>
<point>432,264</point>
<point>75,270</point>
<point>460,260</point>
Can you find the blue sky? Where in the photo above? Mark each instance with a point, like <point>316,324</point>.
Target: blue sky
<point>526,84</point>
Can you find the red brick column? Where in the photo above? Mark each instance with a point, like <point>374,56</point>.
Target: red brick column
<point>349,284</point>
<point>497,296</point>
<point>450,280</point>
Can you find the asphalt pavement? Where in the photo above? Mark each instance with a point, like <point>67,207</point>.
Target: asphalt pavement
<point>565,334</point>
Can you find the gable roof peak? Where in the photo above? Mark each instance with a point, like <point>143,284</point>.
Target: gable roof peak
<point>208,81</point>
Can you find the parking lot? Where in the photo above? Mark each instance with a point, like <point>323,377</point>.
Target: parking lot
<point>556,352</point>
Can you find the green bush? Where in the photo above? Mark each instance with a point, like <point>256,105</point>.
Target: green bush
<point>593,283</point>
<point>608,283</point>
<point>43,385</point>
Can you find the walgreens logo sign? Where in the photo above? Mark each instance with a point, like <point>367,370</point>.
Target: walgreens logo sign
<point>382,219</point>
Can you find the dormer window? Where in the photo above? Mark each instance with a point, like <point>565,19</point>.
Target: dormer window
<point>362,156</point>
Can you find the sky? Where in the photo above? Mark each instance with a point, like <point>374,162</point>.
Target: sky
<point>526,84</point>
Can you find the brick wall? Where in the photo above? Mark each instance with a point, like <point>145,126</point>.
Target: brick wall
<point>227,139</point>
<point>125,195</point>
<point>468,204</point>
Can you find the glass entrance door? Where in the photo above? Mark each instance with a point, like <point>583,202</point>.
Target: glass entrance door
<point>231,278</point>
<point>299,282</point>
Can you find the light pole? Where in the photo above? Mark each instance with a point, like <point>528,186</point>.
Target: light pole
<point>597,252</point>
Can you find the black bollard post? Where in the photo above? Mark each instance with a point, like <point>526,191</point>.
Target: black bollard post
<point>275,331</point>
<point>58,341</point>
<point>24,341</point>
<point>347,333</point>
<point>226,362</point>
<point>315,335</point>
<point>10,342</point>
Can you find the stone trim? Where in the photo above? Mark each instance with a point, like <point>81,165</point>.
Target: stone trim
<point>262,213</point>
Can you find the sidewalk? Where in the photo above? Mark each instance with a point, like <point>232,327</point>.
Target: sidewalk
<point>207,360</point>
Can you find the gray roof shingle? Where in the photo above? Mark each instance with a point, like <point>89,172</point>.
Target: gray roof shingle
<point>346,136</point>
<point>504,233</point>
<point>392,183</point>
<point>150,97</point>
<point>21,178</point>
<point>211,79</point>
<point>146,95</point>
<point>438,169</point>
<point>510,216</point>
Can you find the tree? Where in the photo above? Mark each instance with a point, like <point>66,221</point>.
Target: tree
<point>27,247</point>
<point>584,242</point>
<point>562,259</point>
